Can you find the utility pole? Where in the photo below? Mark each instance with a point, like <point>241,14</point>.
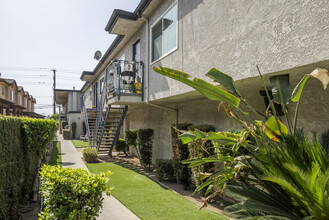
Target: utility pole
<point>54,87</point>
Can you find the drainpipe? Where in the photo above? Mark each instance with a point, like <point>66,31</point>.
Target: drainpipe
<point>147,79</point>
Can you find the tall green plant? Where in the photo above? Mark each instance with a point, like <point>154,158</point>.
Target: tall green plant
<point>291,173</point>
<point>145,145</point>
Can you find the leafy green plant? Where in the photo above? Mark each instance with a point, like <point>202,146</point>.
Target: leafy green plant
<point>67,134</point>
<point>72,193</point>
<point>164,170</point>
<point>131,137</point>
<point>22,143</point>
<point>54,117</point>
<point>90,155</point>
<point>145,145</point>
<point>180,152</point>
<point>289,175</point>
<point>121,145</point>
<point>73,129</point>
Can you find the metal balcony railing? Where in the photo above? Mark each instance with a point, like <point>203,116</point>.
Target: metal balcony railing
<point>125,78</point>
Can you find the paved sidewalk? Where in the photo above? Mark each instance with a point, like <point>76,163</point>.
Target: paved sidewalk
<point>112,208</point>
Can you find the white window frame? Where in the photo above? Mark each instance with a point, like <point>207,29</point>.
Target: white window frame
<point>151,40</point>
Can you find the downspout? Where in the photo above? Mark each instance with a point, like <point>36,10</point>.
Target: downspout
<point>147,78</point>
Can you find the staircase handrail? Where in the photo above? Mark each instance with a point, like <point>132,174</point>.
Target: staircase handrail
<point>86,118</point>
<point>100,119</point>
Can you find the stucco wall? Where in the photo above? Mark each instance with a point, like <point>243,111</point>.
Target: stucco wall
<point>234,36</point>
<point>78,118</point>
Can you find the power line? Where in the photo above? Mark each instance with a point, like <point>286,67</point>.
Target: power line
<point>39,69</point>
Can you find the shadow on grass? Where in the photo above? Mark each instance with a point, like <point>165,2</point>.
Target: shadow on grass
<point>132,168</point>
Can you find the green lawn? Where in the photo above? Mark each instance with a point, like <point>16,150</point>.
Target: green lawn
<point>55,156</point>
<point>78,143</point>
<point>146,198</point>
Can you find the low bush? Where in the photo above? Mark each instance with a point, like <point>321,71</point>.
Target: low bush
<point>73,129</point>
<point>164,170</point>
<point>72,193</point>
<point>121,145</point>
<point>90,155</point>
<point>67,134</point>
<point>54,116</point>
<point>131,137</point>
<point>145,145</point>
<point>180,152</point>
<point>22,142</point>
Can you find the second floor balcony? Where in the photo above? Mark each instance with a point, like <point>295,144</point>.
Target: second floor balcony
<point>125,82</point>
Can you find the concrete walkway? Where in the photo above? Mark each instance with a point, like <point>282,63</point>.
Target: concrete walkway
<point>112,208</point>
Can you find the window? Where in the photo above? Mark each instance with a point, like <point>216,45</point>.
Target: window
<point>137,51</point>
<point>164,34</point>
<point>11,95</point>
<point>101,83</point>
<point>25,102</point>
<point>19,100</point>
<point>3,91</point>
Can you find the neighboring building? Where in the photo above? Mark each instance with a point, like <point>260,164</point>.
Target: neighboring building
<point>15,101</point>
<point>71,108</point>
<point>196,35</point>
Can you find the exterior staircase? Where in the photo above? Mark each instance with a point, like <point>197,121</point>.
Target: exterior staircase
<point>91,117</point>
<point>110,129</point>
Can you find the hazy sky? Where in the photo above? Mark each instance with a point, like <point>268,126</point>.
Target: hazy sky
<point>59,34</point>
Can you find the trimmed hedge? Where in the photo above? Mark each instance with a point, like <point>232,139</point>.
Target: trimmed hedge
<point>72,193</point>
<point>22,142</point>
<point>201,149</point>
<point>164,170</point>
<point>90,155</point>
<point>121,145</point>
<point>145,145</point>
<point>131,137</point>
<point>180,152</point>
<point>73,129</point>
<point>67,134</point>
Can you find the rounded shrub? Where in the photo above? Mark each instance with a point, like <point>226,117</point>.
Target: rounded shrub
<point>164,170</point>
<point>131,137</point>
<point>90,155</point>
<point>121,145</point>
<point>72,193</point>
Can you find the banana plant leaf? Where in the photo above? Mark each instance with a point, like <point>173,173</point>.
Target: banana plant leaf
<point>273,125</point>
<point>321,74</point>
<point>224,80</point>
<point>298,91</point>
<point>210,91</point>
<point>219,137</point>
<point>281,90</point>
